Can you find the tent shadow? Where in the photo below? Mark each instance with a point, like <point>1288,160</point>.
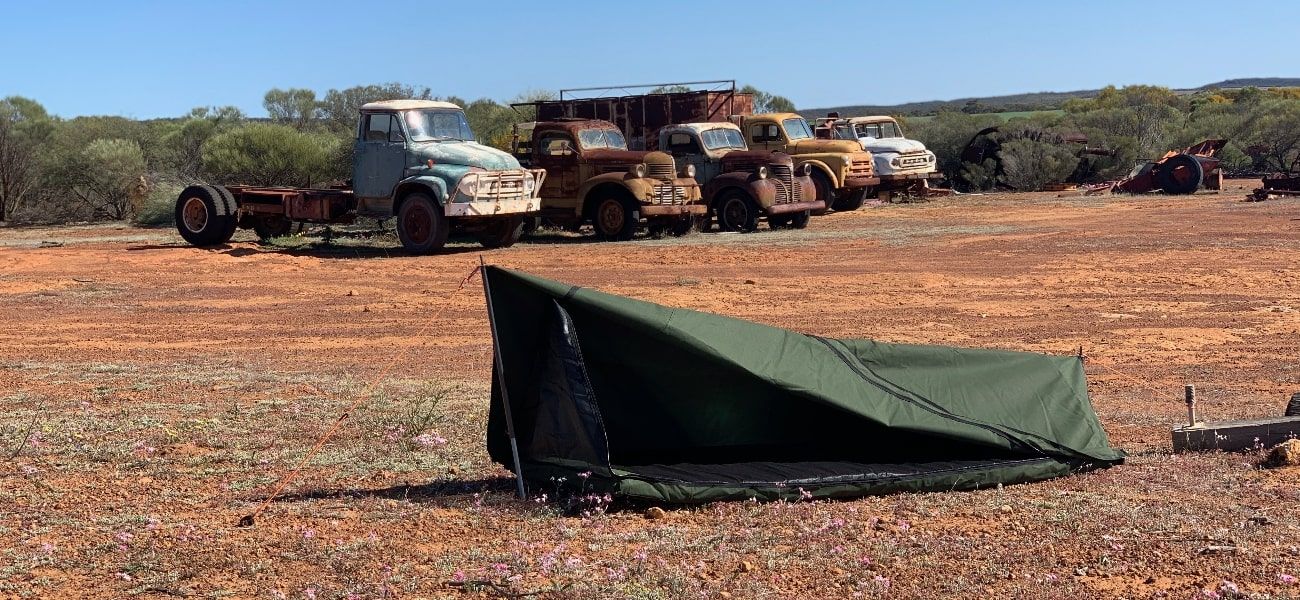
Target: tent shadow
<point>441,493</point>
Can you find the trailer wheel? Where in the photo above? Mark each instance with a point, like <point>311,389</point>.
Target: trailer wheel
<point>737,212</point>
<point>202,216</point>
<point>1180,174</point>
<point>503,232</point>
<point>275,226</point>
<point>421,226</point>
<point>616,218</point>
<point>1293,407</point>
<point>851,200</point>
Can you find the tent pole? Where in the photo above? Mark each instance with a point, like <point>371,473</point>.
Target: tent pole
<point>501,379</point>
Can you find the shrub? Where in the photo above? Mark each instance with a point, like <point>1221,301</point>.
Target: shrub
<point>1031,164</point>
<point>265,154</point>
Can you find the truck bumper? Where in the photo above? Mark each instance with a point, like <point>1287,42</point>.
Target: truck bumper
<point>492,208</point>
<point>854,183</point>
<point>673,210</point>
<point>792,207</point>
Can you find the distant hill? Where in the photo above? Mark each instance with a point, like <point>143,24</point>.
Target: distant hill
<point>1020,102</point>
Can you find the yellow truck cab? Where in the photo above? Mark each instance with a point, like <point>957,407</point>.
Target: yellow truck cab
<point>840,169</point>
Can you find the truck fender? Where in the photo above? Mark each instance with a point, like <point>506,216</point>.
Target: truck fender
<point>762,192</point>
<point>604,180</point>
<point>434,186</point>
<point>818,165</point>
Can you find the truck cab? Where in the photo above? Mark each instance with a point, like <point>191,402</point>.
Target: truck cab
<point>841,170</point>
<point>899,162</point>
<point>593,178</point>
<point>418,160</point>
<point>740,185</point>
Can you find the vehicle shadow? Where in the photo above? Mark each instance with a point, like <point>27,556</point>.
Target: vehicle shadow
<point>313,250</point>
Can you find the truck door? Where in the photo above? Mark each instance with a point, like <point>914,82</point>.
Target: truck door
<point>380,156</point>
<point>766,136</point>
<point>555,152</point>
<point>686,149</point>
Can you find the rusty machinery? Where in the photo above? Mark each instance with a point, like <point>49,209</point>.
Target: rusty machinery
<point>1178,171</point>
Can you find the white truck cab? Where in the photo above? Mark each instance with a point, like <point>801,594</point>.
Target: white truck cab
<point>900,163</point>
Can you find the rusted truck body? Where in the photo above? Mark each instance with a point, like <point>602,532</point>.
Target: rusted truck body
<point>641,116</point>
<point>592,177</point>
<point>415,160</point>
<point>1178,171</point>
<point>741,185</point>
<point>841,170</point>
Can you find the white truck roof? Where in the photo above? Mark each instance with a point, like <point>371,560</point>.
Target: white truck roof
<point>407,105</point>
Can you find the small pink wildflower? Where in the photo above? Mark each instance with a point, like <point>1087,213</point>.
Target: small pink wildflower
<point>881,581</point>
<point>1287,579</point>
<point>428,440</point>
<point>1229,587</point>
<point>641,556</point>
<point>458,576</point>
<point>47,548</point>
<point>584,474</point>
<point>500,568</point>
<point>124,576</point>
<point>152,524</point>
<point>308,534</point>
<point>805,494</point>
<point>309,593</point>
<point>864,561</point>
<point>29,470</point>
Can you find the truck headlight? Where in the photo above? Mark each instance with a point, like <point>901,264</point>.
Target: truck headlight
<point>929,157</point>
<point>689,171</point>
<point>637,171</point>
<point>896,162</point>
<point>530,184</point>
<point>468,185</point>
<point>805,170</point>
<point>761,172</point>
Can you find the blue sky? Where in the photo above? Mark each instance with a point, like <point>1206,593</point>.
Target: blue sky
<point>152,59</point>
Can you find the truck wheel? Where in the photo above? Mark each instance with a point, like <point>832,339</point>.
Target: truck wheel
<point>1293,407</point>
<point>421,226</point>
<point>1179,174</point>
<point>616,218</point>
<point>503,232</point>
<point>851,200</point>
<point>825,191</point>
<point>686,225</point>
<point>800,220</point>
<point>203,217</point>
<point>737,212</point>
<point>276,226</point>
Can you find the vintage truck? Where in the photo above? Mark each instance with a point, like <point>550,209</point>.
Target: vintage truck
<point>415,159</point>
<point>900,163</point>
<point>742,185</point>
<point>841,170</point>
<point>593,178</point>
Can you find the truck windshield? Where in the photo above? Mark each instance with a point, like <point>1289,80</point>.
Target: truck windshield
<point>797,129</point>
<point>437,124</point>
<point>879,130</point>
<point>594,139</point>
<point>723,138</point>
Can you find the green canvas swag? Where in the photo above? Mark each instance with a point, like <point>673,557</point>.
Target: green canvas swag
<point>673,405</point>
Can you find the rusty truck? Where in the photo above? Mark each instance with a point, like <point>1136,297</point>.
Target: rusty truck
<point>741,185</point>
<point>592,177</point>
<point>416,160</point>
<point>841,170</point>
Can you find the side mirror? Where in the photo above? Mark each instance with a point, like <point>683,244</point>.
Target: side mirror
<point>395,136</point>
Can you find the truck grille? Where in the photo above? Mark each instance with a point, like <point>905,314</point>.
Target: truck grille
<point>669,194</point>
<point>499,185</point>
<point>911,161</point>
<point>665,172</point>
<point>786,189</point>
<point>861,166</point>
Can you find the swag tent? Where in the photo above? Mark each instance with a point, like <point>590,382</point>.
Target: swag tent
<point>673,405</point>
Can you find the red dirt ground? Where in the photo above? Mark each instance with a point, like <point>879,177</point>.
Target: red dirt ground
<point>154,391</point>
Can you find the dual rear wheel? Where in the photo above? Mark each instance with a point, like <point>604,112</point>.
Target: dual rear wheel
<point>206,215</point>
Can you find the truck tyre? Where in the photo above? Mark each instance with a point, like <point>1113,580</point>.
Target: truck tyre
<point>503,232</point>
<point>687,225</point>
<point>421,226</point>
<point>737,212</point>
<point>797,220</point>
<point>615,218</point>
<point>203,217</point>
<point>1293,407</point>
<point>232,209</point>
<point>825,190</point>
<point>275,226</point>
<point>851,200</point>
<point>1180,174</point>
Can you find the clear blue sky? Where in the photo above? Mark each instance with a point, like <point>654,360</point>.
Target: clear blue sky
<point>151,59</point>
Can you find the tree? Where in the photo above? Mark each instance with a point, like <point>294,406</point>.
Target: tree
<point>1029,164</point>
<point>268,154</point>
<point>106,177</point>
<point>24,125</point>
<point>768,103</point>
<point>339,108</point>
<point>184,140</point>
<point>295,107</point>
